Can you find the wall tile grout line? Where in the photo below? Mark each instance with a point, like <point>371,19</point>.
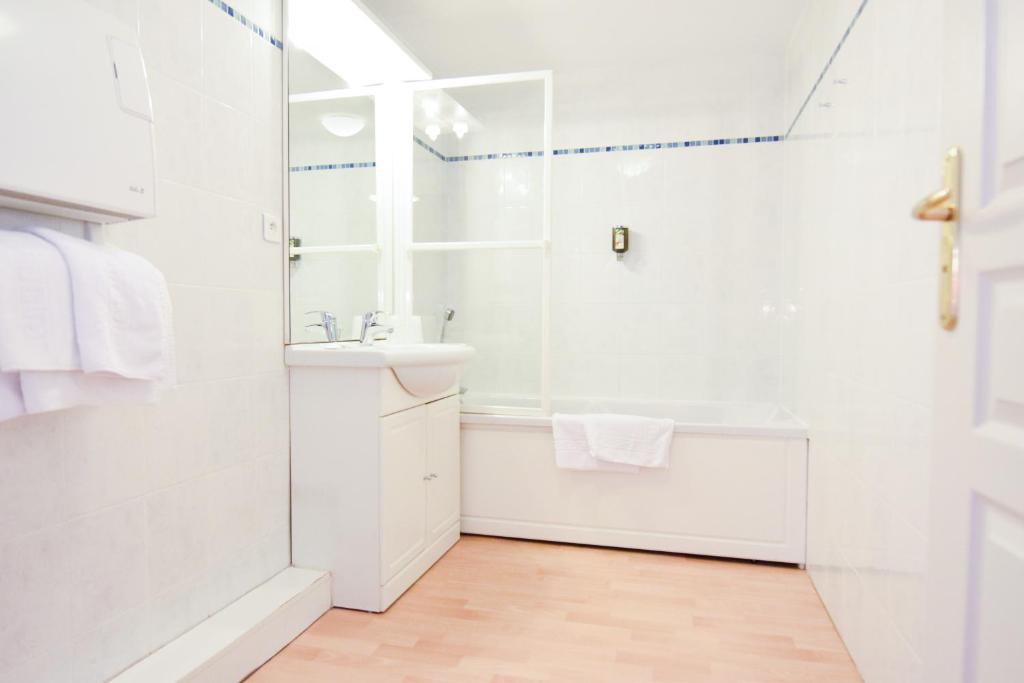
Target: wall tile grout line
<point>247,23</point>
<point>828,65</point>
<point>565,151</point>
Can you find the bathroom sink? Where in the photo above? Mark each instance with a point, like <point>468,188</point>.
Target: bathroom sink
<point>422,369</point>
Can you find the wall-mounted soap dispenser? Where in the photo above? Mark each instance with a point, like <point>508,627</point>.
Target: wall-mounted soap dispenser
<point>620,240</point>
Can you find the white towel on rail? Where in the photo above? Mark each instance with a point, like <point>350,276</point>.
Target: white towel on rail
<point>40,360</point>
<point>571,449</point>
<point>629,439</point>
<point>46,391</point>
<point>122,310</point>
<point>37,328</point>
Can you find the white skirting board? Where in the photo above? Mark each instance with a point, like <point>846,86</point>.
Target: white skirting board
<point>235,641</point>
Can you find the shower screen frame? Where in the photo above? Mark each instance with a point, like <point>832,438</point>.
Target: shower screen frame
<point>406,246</point>
<point>396,246</point>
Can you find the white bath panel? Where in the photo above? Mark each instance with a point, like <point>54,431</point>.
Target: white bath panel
<point>237,640</point>
<point>722,495</point>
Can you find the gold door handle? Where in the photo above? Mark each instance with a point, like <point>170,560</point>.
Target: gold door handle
<point>937,206</point>
<point>944,206</point>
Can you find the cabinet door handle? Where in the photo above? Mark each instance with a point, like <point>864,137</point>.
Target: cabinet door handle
<point>431,476</point>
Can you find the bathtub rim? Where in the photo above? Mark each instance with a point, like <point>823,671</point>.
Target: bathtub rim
<point>789,428</point>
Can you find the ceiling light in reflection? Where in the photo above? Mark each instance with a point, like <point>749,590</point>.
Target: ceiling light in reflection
<point>433,130</point>
<point>343,125</point>
<point>460,128</point>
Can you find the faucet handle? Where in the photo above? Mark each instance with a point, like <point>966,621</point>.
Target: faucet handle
<point>372,317</point>
<point>324,315</point>
<point>328,321</point>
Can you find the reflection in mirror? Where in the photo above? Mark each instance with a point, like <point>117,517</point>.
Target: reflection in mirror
<point>332,203</point>
<point>459,169</point>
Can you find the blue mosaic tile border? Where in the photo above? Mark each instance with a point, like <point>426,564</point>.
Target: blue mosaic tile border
<point>247,23</point>
<point>828,65</point>
<point>333,167</point>
<point>567,151</point>
<point>710,142</point>
<point>425,145</point>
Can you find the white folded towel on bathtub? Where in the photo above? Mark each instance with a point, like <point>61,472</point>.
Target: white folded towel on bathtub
<point>572,452</point>
<point>629,439</point>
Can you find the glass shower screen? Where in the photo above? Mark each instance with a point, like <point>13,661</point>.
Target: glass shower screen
<point>479,237</point>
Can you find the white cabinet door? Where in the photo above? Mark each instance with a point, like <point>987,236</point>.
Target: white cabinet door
<point>403,455</point>
<point>443,479</point>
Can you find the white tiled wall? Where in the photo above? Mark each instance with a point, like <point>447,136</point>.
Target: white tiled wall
<point>122,527</point>
<point>694,311</point>
<point>865,281</point>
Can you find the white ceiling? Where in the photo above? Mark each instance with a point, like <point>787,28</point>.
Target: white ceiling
<point>467,37</point>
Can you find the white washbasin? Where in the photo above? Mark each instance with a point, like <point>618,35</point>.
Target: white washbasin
<point>423,369</point>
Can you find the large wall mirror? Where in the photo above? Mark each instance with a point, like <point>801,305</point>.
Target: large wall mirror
<point>427,200</point>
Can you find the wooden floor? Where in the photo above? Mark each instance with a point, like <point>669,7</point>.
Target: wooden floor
<point>498,610</point>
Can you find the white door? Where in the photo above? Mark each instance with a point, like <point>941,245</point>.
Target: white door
<point>403,461</point>
<point>976,563</point>
<point>443,460</point>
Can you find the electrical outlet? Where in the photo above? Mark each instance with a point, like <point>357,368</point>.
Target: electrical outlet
<point>271,228</point>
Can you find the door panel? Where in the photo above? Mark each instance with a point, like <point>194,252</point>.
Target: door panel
<point>1006,58</point>
<point>443,490</point>
<point>997,560</point>
<point>403,494</point>
<point>976,540</point>
<point>1001,379</point>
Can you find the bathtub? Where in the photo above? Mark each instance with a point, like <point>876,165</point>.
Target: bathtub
<point>736,485</point>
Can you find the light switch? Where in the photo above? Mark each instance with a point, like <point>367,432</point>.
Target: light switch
<point>271,228</point>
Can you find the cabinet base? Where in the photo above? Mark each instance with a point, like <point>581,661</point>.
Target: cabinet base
<point>394,588</point>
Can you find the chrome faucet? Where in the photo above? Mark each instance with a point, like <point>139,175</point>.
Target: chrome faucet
<point>328,321</point>
<point>446,317</point>
<point>371,327</point>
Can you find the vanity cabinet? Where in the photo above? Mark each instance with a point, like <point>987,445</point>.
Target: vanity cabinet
<point>375,480</point>
<point>419,450</point>
<point>444,459</point>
